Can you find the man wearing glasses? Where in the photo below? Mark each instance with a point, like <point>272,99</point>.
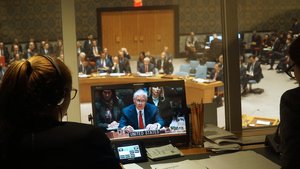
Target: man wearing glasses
<point>290,114</point>
<point>140,115</point>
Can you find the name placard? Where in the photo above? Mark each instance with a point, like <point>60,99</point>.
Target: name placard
<point>143,133</point>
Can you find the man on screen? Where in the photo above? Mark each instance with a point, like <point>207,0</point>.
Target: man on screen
<point>141,114</point>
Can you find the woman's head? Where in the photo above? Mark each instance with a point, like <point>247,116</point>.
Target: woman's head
<point>157,92</point>
<point>36,89</point>
<point>108,95</point>
<point>142,56</point>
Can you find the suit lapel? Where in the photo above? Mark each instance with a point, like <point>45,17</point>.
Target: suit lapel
<point>134,118</point>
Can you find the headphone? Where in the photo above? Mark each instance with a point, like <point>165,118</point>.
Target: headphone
<point>57,92</point>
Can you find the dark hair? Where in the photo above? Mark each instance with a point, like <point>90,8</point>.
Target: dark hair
<point>30,92</point>
<point>252,56</point>
<point>113,95</point>
<point>294,51</point>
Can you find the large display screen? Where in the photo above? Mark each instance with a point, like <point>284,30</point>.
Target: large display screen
<point>152,111</point>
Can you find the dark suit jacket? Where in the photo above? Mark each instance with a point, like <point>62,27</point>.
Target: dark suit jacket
<point>165,110</point>
<point>257,72</point>
<point>100,65</point>
<point>43,52</point>
<point>65,145</point>
<point>289,128</point>
<point>216,48</point>
<point>92,52</point>
<point>122,69</point>
<point>129,116</point>
<point>87,46</point>
<point>125,65</point>
<point>151,68</point>
<point>87,69</point>
<point>167,67</point>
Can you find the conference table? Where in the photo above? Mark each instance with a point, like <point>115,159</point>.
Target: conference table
<point>195,92</point>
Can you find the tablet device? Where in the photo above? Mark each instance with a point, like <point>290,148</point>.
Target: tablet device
<point>131,152</point>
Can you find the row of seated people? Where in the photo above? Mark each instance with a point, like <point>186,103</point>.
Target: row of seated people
<point>258,43</point>
<point>120,64</point>
<point>273,47</point>
<point>19,52</point>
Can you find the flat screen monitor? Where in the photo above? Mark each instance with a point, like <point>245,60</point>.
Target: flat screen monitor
<point>152,112</point>
<point>211,37</point>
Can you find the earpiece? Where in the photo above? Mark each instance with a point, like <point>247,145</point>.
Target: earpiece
<point>61,102</point>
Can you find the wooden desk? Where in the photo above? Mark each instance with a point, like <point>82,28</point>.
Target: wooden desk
<point>194,91</point>
<point>201,153</point>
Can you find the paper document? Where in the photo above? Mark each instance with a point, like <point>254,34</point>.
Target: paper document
<point>148,74</point>
<point>238,160</point>
<point>213,132</point>
<point>163,152</point>
<point>186,164</point>
<point>200,80</point>
<point>224,147</point>
<point>117,74</point>
<point>132,166</point>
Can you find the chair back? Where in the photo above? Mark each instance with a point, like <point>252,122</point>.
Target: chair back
<point>210,64</point>
<point>201,72</point>
<point>194,64</point>
<point>185,68</point>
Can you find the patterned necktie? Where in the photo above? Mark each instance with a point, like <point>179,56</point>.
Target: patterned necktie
<point>141,124</point>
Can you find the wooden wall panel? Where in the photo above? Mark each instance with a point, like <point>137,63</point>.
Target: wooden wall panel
<point>129,28</point>
<point>111,32</point>
<point>146,30</point>
<point>164,31</point>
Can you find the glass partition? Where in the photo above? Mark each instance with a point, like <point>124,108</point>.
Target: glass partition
<point>264,41</point>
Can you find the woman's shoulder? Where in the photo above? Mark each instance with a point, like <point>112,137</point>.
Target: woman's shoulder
<point>74,130</point>
<point>78,126</point>
<point>290,98</point>
<point>293,93</point>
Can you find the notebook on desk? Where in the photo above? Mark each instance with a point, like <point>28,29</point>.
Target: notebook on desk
<point>163,152</point>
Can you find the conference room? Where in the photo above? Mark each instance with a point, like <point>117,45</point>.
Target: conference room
<point>239,28</point>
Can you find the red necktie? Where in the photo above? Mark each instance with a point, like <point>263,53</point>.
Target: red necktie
<point>141,124</point>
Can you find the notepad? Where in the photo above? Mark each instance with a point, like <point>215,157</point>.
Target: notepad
<point>163,152</point>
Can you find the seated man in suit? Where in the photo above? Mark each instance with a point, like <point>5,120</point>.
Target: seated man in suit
<point>141,114</point>
<point>147,67</point>
<point>103,64</point>
<point>254,71</point>
<point>164,64</point>
<point>84,65</point>
<point>45,50</point>
<point>117,67</point>
<point>124,62</point>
